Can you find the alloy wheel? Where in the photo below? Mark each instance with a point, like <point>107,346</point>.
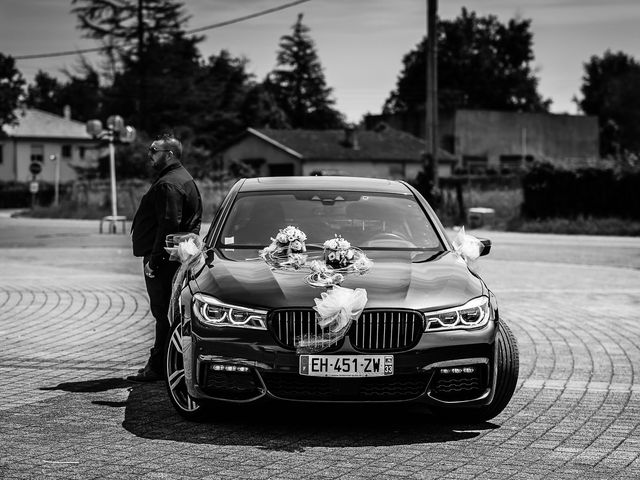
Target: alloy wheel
<point>176,381</point>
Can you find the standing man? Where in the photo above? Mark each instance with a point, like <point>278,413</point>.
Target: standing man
<point>171,205</point>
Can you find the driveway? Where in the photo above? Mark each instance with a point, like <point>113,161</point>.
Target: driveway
<point>74,321</point>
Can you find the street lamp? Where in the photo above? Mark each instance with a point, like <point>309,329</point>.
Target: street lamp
<point>56,198</point>
<point>116,131</point>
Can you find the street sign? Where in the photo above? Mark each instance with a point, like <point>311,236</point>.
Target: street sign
<point>33,187</point>
<point>35,168</point>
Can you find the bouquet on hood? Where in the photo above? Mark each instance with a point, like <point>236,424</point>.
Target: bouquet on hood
<point>340,259</point>
<point>287,249</point>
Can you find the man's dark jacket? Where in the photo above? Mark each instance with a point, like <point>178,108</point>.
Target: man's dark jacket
<point>171,205</point>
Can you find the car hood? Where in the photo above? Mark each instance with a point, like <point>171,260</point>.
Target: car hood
<point>398,279</point>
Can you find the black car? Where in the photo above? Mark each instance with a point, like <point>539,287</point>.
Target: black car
<point>430,330</point>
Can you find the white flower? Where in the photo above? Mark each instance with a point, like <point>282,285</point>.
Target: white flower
<point>331,256</point>
<point>350,254</point>
<point>281,237</point>
<point>296,245</point>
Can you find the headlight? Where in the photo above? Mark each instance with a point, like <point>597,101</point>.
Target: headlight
<point>212,312</point>
<point>473,314</point>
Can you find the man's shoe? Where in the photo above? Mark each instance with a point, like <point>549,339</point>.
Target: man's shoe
<point>146,366</point>
<point>146,375</point>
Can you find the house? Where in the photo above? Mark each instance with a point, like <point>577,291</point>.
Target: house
<point>45,138</point>
<point>382,153</point>
<point>504,141</point>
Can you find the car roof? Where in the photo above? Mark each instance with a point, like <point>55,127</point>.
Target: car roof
<point>324,183</point>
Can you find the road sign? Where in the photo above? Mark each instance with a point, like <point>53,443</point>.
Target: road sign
<point>35,168</point>
<point>34,187</point>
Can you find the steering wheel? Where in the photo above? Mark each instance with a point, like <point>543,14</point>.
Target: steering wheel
<point>388,236</point>
<point>389,240</point>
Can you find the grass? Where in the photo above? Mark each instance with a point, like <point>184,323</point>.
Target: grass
<point>578,226</point>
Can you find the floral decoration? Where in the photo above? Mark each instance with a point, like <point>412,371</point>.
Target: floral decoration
<point>338,252</point>
<point>287,249</point>
<point>340,258</point>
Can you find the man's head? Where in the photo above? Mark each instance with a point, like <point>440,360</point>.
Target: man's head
<point>164,151</point>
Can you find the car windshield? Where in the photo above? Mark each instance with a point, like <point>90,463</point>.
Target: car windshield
<point>365,219</point>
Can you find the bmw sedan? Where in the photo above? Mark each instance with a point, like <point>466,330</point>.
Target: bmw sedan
<point>430,330</point>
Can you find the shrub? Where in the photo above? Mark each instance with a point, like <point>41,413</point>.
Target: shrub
<point>551,192</point>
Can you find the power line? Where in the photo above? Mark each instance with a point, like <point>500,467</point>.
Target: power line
<point>59,54</point>
<point>188,32</point>
<point>247,17</point>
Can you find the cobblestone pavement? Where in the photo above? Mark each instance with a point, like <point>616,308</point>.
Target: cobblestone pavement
<point>74,321</point>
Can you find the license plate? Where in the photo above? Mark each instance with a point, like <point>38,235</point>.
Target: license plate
<point>346,365</point>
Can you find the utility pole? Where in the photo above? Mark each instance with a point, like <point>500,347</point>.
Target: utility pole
<point>431,105</point>
<point>142,69</point>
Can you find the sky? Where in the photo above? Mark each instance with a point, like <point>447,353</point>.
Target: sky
<point>360,43</point>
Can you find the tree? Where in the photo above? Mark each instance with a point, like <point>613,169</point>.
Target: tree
<point>298,84</point>
<point>81,92</point>
<point>171,69</point>
<point>44,93</point>
<point>11,84</point>
<point>482,64</point>
<point>128,26</point>
<point>610,91</point>
<point>131,30</point>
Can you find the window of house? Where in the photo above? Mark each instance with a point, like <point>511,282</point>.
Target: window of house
<point>1,153</point>
<point>66,151</point>
<point>81,152</point>
<point>475,164</point>
<point>37,153</point>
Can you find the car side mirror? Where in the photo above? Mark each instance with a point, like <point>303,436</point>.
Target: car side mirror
<point>486,246</point>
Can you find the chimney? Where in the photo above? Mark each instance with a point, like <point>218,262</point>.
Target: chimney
<point>66,112</point>
<point>351,137</point>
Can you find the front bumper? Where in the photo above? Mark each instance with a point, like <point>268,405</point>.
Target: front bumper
<point>247,369</point>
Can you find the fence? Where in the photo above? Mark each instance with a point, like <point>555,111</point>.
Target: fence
<point>98,193</point>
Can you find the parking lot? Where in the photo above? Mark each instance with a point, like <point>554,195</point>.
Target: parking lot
<point>74,321</point>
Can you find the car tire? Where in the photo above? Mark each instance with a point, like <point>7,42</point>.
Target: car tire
<point>185,405</point>
<point>508,366</point>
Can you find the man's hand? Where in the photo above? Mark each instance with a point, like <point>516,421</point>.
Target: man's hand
<point>148,271</point>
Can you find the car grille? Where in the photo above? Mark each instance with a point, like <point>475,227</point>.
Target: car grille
<point>299,387</point>
<point>386,331</point>
<point>374,331</point>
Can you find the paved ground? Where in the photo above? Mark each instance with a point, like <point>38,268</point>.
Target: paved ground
<point>74,321</point>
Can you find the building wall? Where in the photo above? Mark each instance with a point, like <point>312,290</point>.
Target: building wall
<point>17,158</point>
<point>492,134</point>
<point>7,165</point>
<point>569,139</point>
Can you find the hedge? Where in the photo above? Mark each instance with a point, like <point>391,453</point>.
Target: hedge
<point>556,192</point>
<point>17,194</point>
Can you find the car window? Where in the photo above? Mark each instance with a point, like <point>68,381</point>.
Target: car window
<point>367,220</point>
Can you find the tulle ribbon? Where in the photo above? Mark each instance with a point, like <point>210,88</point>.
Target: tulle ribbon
<point>336,310</point>
<point>467,246</point>
<point>189,251</point>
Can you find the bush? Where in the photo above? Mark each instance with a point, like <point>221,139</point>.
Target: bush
<point>17,195</point>
<point>551,192</point>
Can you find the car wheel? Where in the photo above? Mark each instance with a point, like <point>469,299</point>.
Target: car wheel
<point>185,405</point>
<point>507,370</point>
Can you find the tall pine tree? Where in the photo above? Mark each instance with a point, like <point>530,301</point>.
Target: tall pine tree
<point>298,84</point>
